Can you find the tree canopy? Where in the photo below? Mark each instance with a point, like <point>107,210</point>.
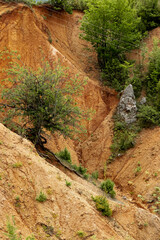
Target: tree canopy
<point>112,28</point>
<point>43,99</point>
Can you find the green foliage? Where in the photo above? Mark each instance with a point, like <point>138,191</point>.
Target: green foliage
<point>41,197</point>
<point>148,116</point>
<point>68,184</point>
<point>115,73</point>
<point>107,186</point>
<point>149,12</point>
<point>43,98</point>
<point>81,234</point>
<point>17,165</point>
<point>12,231</point>
<point>27,2</point>
<point>111,27</point>
<point>124,137</point>
<point>67,5</point>
<point>79,4</point>
<point>102,205</point>
<point>82,170</point>
<point>95,175</point>
<point>65,155</point>
<point>86,176</point>
<point>61,5</point>
<point>156,198</point>
<point>153,77</point>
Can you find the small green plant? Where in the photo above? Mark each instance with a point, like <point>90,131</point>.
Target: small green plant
<point>86,176</point>
<point>49,39</point>
<point>17,165</point>
<point>81,234</point>
<point>156,200</point>
<point>107,186</point>
<point>41,197</point>
<point>102,205</point>
<point>12,231</point>
<point>68,184</point>
<point>81,169</point>
<point>141,197</point>
<point>155,174</point>
<point>44,17</point>
<point>138,168</point>
<point>65,155</point>
<point>95,175</point>
<point>17,201</point>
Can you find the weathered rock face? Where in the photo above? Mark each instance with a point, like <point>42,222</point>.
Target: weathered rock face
<point>127,106</point>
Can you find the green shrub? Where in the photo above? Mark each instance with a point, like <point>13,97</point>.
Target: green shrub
<point>81,169</point>
<point>102,205</point>
<point>41,197</point>
<point>86,176</point>
<point>79,4</point>
<point>149,11</point>
<point>123,141</point>
<point>148,116</point>
<point>68,184</point>
<point>95,175</point>
<point>115,73</point>
<point>65,155</point>
<point>37,97</point>
<point>124,137</point>
<point>107,186</point>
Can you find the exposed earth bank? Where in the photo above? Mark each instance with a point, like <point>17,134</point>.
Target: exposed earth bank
<point>42,31</point>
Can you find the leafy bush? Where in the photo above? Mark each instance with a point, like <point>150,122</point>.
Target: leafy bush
<point>112,28</point>
<point>65,155</point>
<point>102,205</point>
<point>124,137</point>
<point>149,11</point>
<point>115,73</point>
<point>107,186</point>
<point>148,116</point>
<point>81,169</point>
<point>79,4</point>
<point>122,141</point>
<point>43,99</point>
<point>61,4</point>
<point>153,76</point>
<point>41,197</point>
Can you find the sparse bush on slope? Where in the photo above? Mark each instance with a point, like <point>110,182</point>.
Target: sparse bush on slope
<point>43,99</point>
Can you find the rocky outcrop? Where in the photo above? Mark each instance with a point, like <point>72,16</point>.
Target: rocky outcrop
<point>127,106</point>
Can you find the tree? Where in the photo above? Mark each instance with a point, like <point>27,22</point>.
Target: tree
<point>62,4</point>
<point>43,99</point>
<point>112,28</point>
<point>149,11</point>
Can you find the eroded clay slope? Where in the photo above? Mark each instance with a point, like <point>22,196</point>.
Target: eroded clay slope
<point>37,31</point>
<point>67,210</point>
